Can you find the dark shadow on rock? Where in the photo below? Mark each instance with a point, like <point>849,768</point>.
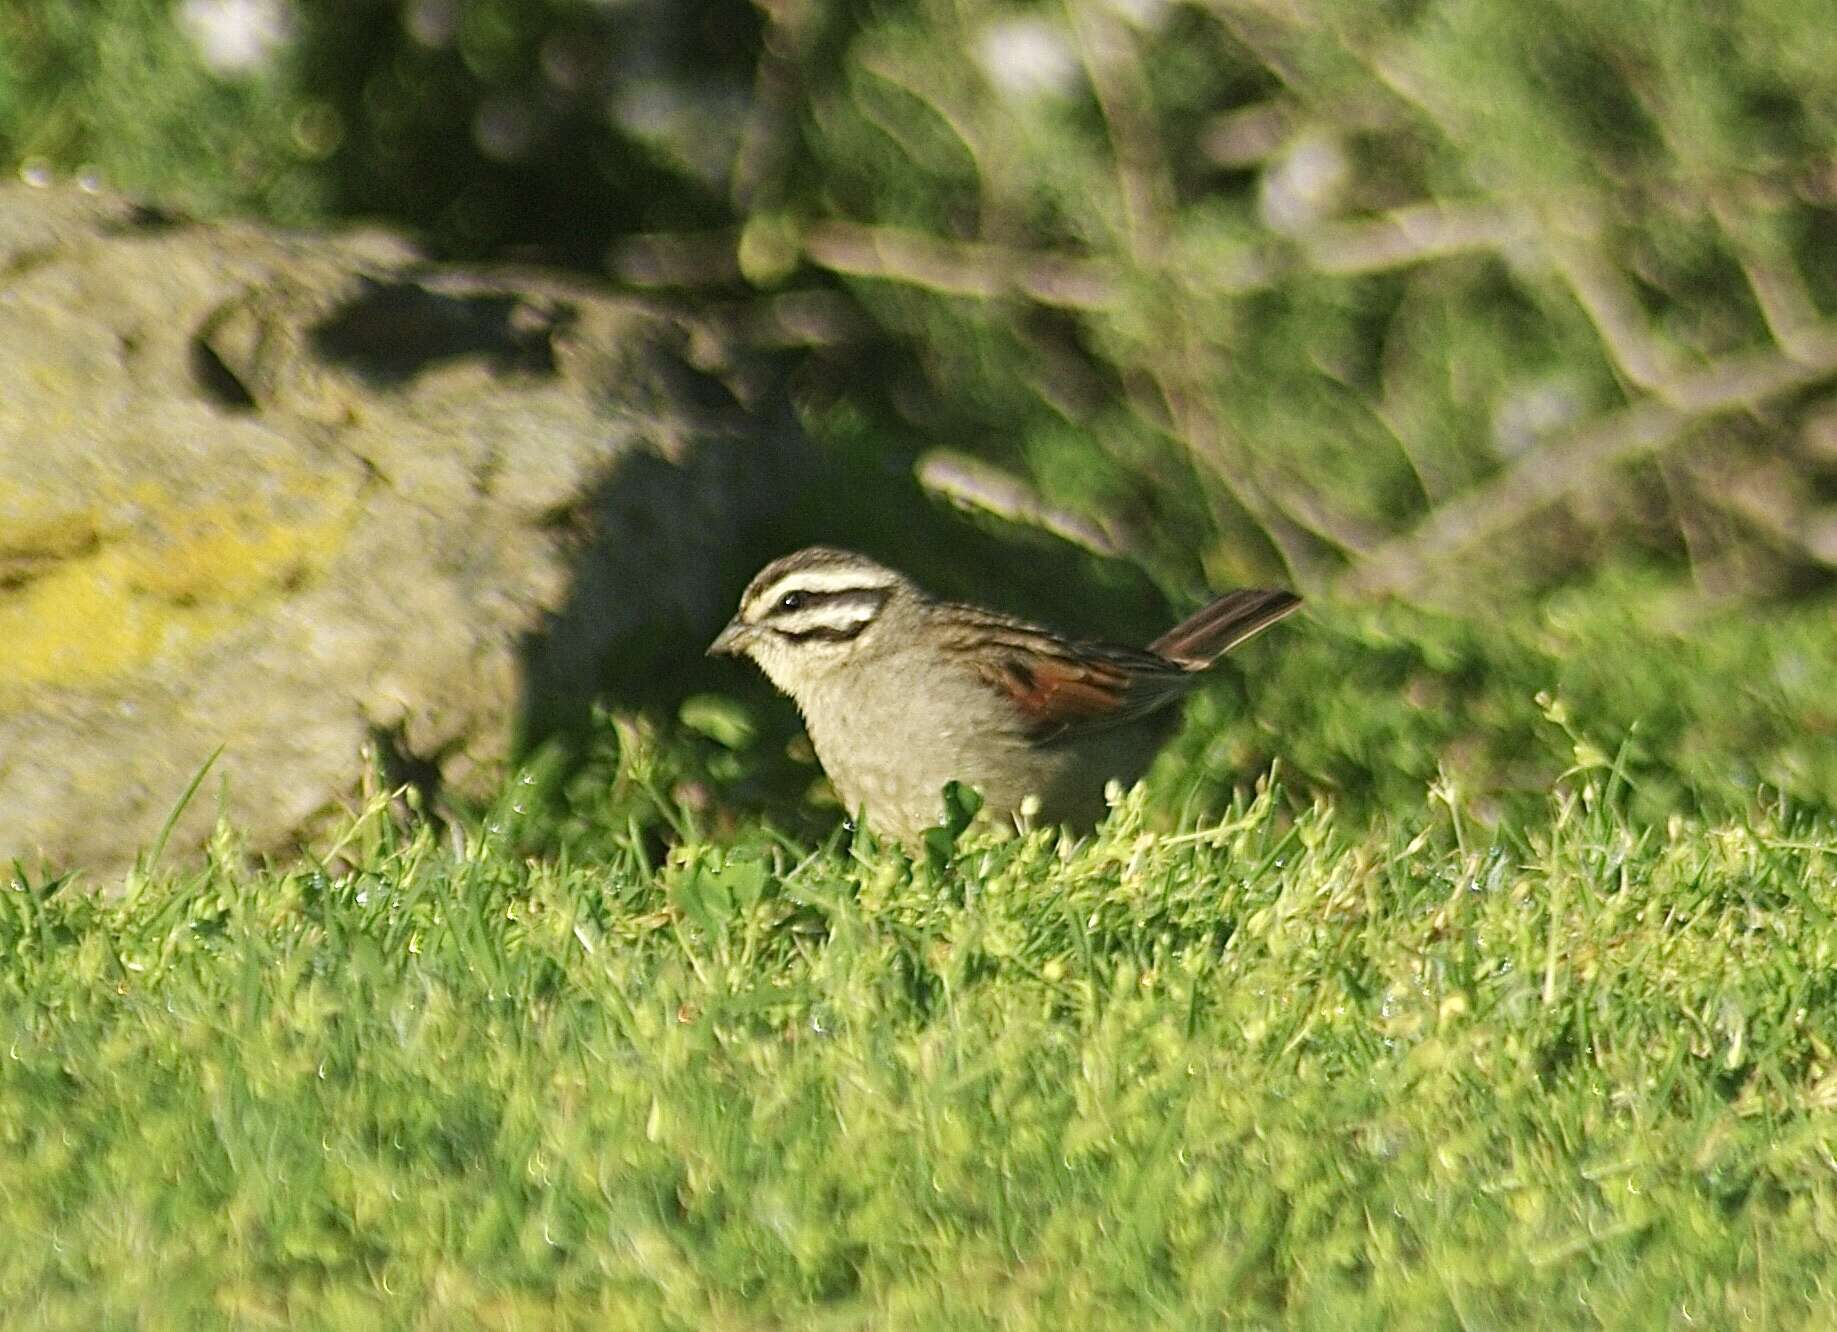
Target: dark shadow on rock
<point>215,379</point>
<point>146,217</point>
<point>394,330</point>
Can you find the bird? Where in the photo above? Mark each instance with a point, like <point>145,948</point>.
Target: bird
<point>903,693</point>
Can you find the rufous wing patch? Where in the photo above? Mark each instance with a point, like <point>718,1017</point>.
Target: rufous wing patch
<point>1055,693</point>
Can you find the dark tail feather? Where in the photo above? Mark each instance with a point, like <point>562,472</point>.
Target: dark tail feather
<point>1202,639</point>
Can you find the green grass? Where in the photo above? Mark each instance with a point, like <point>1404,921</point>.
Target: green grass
<point>1575,1072</point>
<point>1518,1007</point>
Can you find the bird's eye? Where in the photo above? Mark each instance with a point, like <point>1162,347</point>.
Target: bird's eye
<point>791,601</point>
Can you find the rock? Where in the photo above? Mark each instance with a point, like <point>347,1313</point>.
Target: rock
<point>284,494</point>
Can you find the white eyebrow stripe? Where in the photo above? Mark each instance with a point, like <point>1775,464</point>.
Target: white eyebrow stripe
<point>825,580</point>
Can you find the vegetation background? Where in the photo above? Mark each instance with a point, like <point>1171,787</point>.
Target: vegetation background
<point>1502,330</point>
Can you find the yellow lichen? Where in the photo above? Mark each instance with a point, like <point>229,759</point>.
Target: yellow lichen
<point>55,536</point>
<point>91,605</point>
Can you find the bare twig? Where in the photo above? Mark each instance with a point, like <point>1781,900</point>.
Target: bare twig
<point>1784,303</point>
<point>1308,507</point>
<point>1702,524</point>
<point>1398,239</point>
<point>757,172</point>
<point>1260,28</point>
<point>989,152</point>
<point>677,259</point>
<point>1779,288</point>
<point>1566,466</point>
<point>1771,498</point>
<point>1615,312</point>
<point>1194,424</point>
<point>797,318</point>
<point>1818,433</point>
<point>975,484</point>
<point>1249,135</point>
<point>961,268</point>
<point>1413,235</point>
<point>1122,93</point>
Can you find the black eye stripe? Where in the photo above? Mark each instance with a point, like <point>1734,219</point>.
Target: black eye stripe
<point>824,633</point>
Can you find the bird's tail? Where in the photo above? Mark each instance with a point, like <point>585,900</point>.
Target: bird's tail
<point>1201,639</point>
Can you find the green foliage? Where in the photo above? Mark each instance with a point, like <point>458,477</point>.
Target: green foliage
<point>116,89</point>
<point>1259,187</point>
<point>1370,706</point>
<point>1259,287</point>
<point>1578,1073</point>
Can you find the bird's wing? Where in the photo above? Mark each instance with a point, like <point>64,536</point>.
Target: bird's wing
<point>1059,687</point>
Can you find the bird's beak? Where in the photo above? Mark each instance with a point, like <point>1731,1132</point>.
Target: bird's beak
<point>731,641</point>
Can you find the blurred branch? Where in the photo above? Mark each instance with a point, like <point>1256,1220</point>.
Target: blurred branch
<point>1413,235</point>
<point>1784,303</point>
<point>960,268</point>
<point>1615,311</point>
<point>1818,435</point>
<point>1248,136</point>
<point>1563,468</point>
<point>1400,238</point>
<point>760,159</point>
<point>1397,239</point>
<point>992,181</point>
<point>793,319</point>
<point>1261,28</point>
<point>1309,508</point>
<point>1709,532</point>
<point>1193,422</point>
<point>974,484</point>
<point>1771,498</point>
<point>1121,86</point>
<point>1779,288</point>
<point>678,259</point>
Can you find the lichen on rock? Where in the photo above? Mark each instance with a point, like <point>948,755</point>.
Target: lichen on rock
<point>276,494</point>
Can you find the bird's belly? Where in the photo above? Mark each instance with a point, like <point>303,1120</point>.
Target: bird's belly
<point>897,773</point>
